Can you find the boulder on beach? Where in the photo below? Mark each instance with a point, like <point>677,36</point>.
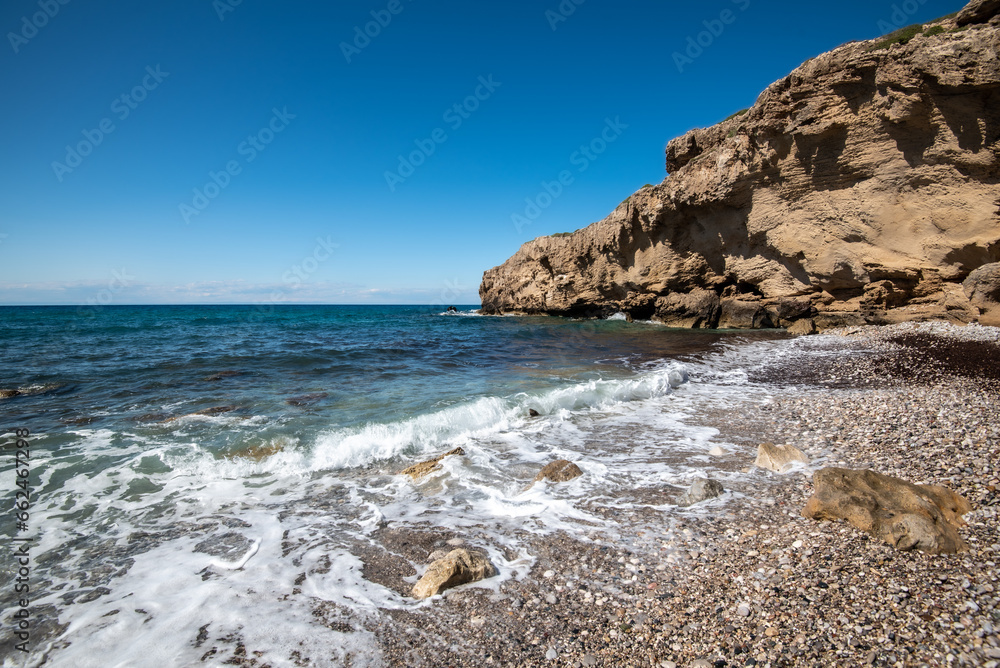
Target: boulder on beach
<point>702,489</point>
<point>779,458</point>
<point>905,515</point>
<point>804,327</point>
<point>456,568</point>
<point>982,287</point>
<point>560,470</point>
<point>423,468</point>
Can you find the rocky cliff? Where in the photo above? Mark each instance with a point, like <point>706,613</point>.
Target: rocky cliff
<point>863,187</point>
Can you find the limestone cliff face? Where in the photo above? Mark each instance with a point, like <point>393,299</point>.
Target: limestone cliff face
<point>863,187</point>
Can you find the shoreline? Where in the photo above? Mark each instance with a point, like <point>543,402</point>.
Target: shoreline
<point>745,580</point>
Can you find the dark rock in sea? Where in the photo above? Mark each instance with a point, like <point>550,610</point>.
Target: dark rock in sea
<point>533,413</point>
<point>152,417</point>
<point>905,515</point>
<point>306,399</point>
<point>7,394</point>
<point>78,421</point>
<point>225,374</point>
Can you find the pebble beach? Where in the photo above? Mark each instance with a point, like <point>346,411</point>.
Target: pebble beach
<point>745,580</point>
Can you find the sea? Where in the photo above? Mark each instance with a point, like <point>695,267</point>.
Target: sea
<point>179,478</point>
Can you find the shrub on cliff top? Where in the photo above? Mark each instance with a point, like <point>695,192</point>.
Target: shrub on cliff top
<point>738,113</point>
<point>901,36</point>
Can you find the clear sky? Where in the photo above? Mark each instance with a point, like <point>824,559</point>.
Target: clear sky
<point>229,151</point>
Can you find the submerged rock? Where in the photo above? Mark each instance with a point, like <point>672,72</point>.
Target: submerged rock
<point>779,458</point>
<point>560,470</point>
<point>306,399</point>
<point>7,394</point>
<point>458,567</point>
<point>701,489</point>
<point>224,374</point>
<point>423,468</point>
<point>905,515</point>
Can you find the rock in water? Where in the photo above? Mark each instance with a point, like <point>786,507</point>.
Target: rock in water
<point>7,394</point>
<point>677,377</point>
<point>457,568</point>
<point>423,468</point>
<point>779,458</point>
<point>701,489</point>
<point>905,515</point>
<point>560,470</point>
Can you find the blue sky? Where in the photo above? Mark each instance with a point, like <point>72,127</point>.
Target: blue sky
<point>231,151</point>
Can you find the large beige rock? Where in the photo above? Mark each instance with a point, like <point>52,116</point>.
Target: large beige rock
<point>423,468</point>
<point>907,516</point>
<point>982,287</point>
<point>863,186</point>
<point>458,567</point>
<point>779,458</point>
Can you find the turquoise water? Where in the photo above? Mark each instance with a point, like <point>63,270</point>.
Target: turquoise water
<point>176,452</point>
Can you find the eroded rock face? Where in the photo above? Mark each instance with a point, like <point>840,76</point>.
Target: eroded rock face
<point>779,458</point>
<point>907,516</point>
<point>861,188</point>
<point>458,567</point>
<point>423,468</point>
